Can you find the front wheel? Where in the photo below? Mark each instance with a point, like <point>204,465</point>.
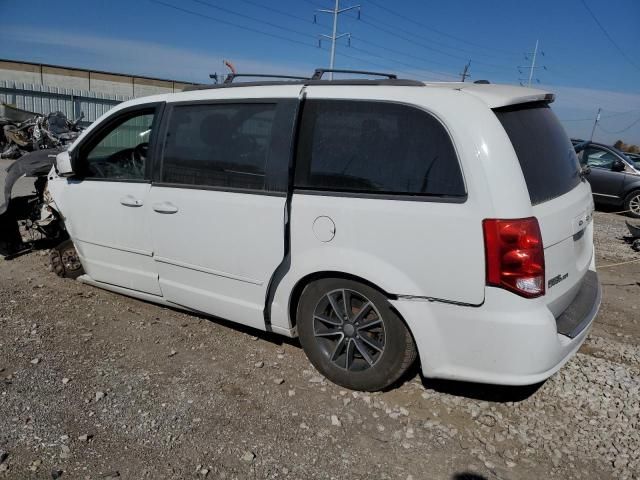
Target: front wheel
<point>64,260</point>
<point>352,336</point>
<point>632,204</point>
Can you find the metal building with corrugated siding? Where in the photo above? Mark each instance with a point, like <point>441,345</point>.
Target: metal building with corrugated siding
<point>109,83</point>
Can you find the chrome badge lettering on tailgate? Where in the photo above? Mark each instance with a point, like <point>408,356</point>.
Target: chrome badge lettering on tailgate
<point>557,279</point>
<point>581,221</point>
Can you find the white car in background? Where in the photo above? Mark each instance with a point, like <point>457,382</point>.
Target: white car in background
<point>377,220</point>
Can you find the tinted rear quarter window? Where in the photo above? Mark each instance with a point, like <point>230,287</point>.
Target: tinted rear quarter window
<point>375,147</point>
<point>546,155</point>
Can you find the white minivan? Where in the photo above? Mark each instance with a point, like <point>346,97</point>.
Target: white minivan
<point>376,220</point>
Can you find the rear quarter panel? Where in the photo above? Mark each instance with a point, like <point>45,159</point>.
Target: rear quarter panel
<point>416,248</point>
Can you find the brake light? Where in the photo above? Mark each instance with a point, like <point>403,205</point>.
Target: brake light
<point>514,255</point>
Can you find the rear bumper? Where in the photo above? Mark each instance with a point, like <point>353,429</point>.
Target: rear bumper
<point>581,312</point>
<point>507,340</point>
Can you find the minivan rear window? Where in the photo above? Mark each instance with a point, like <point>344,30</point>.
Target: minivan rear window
<point>547,157</point>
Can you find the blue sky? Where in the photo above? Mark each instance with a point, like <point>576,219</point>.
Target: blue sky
<point>429,40</point>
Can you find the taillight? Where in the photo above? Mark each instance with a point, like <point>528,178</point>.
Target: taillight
<point>514,255</point>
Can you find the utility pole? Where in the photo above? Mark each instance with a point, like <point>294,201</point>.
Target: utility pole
<point>533,66</point>
<point>334,36</point>
<point>533,63</point>
<point>593,130</point>
<point>465,73</point>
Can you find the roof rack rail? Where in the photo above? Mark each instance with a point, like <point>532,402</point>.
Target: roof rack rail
<point>317,75</point>
<point>232,76</point>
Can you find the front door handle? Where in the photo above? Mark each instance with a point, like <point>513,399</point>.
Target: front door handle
<point>130,201</point>
<point>165,207</point>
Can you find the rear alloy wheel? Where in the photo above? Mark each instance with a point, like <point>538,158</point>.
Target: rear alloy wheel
<point>632,204</point>
<point>64,260</point>
<point>352,336</point>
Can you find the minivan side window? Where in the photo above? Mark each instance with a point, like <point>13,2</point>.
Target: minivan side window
<point>375,148</point>
<point>120,152</point>
<point>218,145</point>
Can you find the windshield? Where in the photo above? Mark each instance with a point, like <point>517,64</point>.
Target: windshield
<point>547,157</point>
<point>632,158</point>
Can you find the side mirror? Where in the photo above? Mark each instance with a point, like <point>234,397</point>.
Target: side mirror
<point>63,164</point>
<point>618,166</point>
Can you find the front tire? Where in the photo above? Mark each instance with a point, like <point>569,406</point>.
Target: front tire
<point>352,336</point>
<point>64,260</point>
<point>632,204</point>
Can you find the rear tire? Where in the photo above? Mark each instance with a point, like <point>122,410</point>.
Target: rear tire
<point>352,336</point>
<point>632,204</point>
<point>64,260</point>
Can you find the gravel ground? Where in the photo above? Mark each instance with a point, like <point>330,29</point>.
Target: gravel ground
<point>96,385</point>
<point>610,236</point>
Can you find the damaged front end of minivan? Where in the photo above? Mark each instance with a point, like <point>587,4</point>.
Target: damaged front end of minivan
<point>30,219</point>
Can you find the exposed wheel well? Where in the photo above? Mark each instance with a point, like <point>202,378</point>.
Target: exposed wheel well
<point>635,189</point>
<point>304,281</point>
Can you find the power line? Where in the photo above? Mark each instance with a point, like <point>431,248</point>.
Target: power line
<point>374,20</point>
<point>232,24</point>
<point>576,119</point>
<point>367,52</point>
<point>399,52</point>
<point>422,25</point>
<point>259,20</point>
<point>590,119</point>
<point>604,30</point>
<point>431,41</point>
<point>617,114</point>
<point>316,4</point>
<point>275,10</point>
<point>634,123</point>
<point>428,47</point>
<point>380,65</point>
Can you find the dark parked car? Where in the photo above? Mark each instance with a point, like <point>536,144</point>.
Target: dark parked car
<point>614,177</point>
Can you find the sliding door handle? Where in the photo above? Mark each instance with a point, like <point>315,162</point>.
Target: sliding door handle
<point>165,207</point>
<point>130,201</point>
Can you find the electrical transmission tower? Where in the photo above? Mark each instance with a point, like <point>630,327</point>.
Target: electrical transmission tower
<point>336,11</point>
<point>534,57</point>
<point>465,73</point>
<point>595,124</point>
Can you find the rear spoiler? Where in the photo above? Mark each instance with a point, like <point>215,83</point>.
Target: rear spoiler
<point>496,96</point>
